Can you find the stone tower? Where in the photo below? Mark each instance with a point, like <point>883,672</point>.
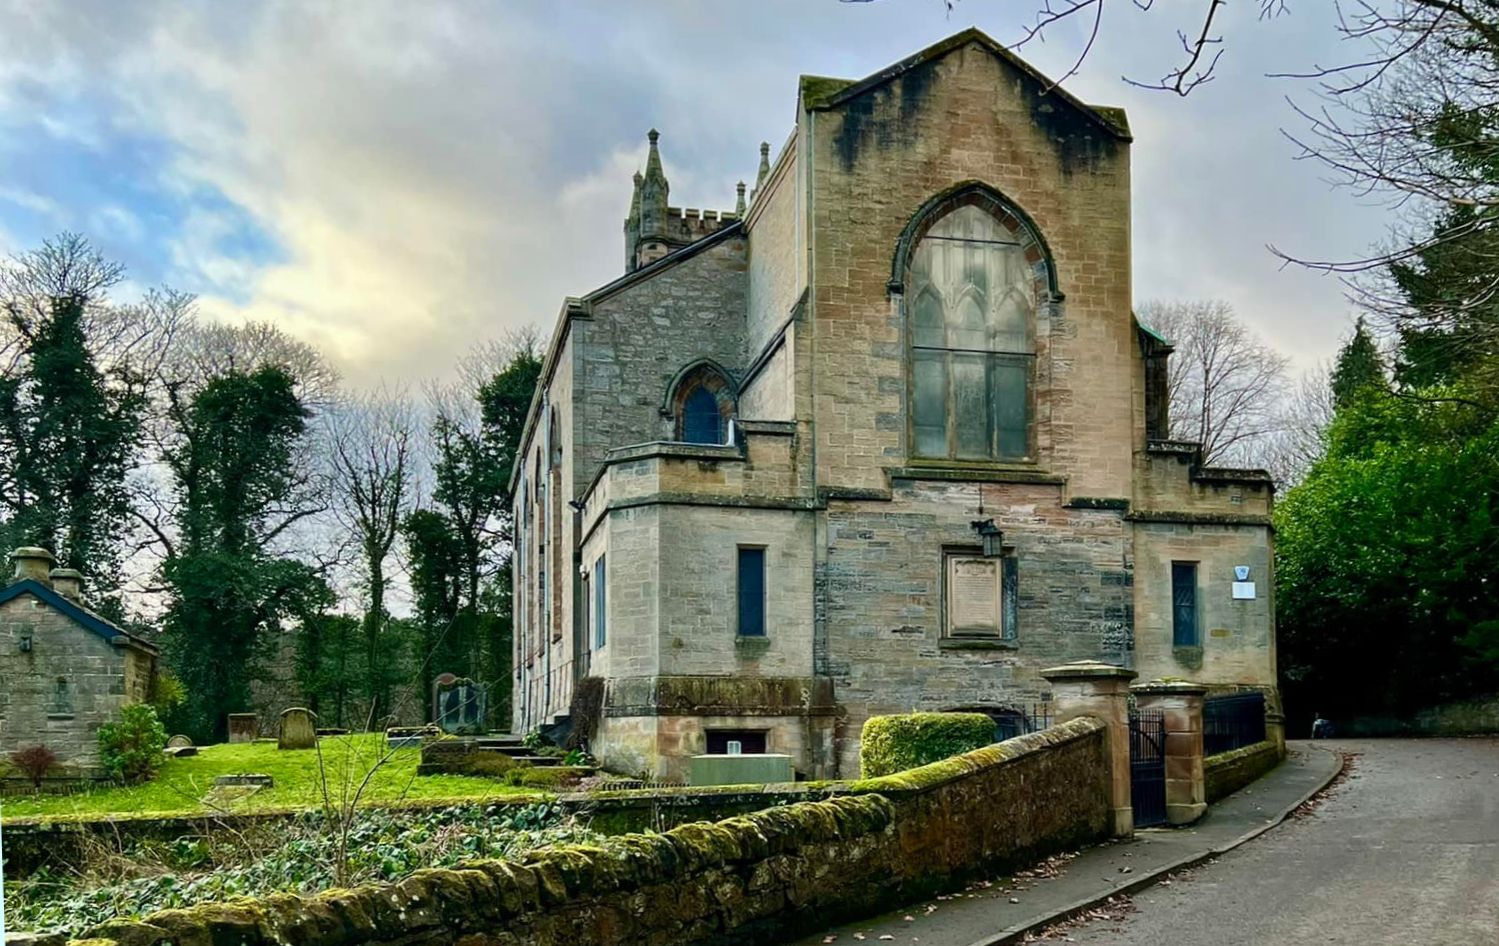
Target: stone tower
<point>653,227</point>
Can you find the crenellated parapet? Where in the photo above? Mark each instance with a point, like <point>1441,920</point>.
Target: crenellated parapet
<point>654,228</point>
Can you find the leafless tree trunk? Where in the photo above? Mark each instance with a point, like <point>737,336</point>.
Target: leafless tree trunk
<point>1225,385</point>
<point>371,444</point>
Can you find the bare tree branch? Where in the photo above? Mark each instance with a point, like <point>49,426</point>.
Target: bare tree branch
<point>1225,386</point>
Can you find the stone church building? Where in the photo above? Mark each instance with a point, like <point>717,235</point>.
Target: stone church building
<point>885,437</point>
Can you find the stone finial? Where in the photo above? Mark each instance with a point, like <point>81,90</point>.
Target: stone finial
<point>654,193</point>
<point>632,222</point>
<point>632,225</point>
<point>653,158</point>
<point>33,563</point>
<point>764,170</point>
<point>68,582</point>
<point>739,204</point>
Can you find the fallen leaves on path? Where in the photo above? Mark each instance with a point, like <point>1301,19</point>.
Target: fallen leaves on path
<point>1309,807</point>
<point>1114,910</point>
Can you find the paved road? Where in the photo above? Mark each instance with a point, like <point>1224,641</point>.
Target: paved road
<point>1405,852</point>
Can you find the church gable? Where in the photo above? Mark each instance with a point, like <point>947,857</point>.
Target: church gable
<point>1080,132</point>
<point>824,92</point>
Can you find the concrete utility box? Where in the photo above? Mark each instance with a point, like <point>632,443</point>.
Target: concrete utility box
<point>757,769</point>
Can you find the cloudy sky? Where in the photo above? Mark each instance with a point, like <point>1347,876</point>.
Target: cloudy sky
<point>395,181</point>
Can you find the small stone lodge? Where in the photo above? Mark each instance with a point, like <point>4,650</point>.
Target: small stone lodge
<point>64,670</point>
<point>885,437</point>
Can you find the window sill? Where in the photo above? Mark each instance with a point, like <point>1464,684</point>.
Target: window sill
<point>998,472</point>
<point>61,715</point>
<point>757,643</point>
<point>977,643</point>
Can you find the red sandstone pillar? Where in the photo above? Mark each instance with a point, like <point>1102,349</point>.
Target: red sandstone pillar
<point>1100,690</point>
<point>1181,707</point>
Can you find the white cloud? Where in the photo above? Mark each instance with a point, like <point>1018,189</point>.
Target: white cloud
<point>29,200</point>
<point>435,174</point>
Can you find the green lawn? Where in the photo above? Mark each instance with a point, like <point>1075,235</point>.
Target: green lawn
<point>182,783</point>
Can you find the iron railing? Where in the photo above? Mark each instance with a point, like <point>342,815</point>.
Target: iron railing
<point>1232,722</point>
<point>1011,723</point>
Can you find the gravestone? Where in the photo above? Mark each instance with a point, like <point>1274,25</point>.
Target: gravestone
<point>298,729</point>
<point>458,704</point>
<point>179,742</point>
<point>244,727</point>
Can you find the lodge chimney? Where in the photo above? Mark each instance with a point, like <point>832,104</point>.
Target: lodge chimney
<point>68,582</point>
<point>34,563</point>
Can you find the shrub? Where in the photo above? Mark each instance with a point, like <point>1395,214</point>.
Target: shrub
<point>295,856</point>
<point>131,748</point>
<point>167,693</point>
<point>535,739</point>
<point>34,762</point>
<point>895,743</point>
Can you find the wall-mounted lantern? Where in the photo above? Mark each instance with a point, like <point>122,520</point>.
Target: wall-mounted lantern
<point>991,536</point>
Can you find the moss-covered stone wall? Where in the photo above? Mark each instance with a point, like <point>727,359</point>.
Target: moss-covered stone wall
<point>753,878</point>
<point>1228,772</point>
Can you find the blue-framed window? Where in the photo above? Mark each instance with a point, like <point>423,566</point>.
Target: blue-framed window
<point>701,420</point>
<point>1184,617</point>
<point>751,591</point>
<point>600,605</point>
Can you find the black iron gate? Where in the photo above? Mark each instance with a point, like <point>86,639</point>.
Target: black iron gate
<point>1147,767</point>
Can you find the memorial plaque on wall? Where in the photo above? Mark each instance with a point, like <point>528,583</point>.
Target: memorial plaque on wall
<point>973,596</point>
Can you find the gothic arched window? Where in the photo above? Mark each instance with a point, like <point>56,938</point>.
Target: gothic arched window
<point>972,284</point>
<point>702,401</point>
<point>701,421</point>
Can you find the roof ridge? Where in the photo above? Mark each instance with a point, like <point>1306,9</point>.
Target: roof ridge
<point>81,614</point>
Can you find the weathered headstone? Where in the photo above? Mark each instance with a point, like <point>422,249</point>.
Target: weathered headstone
<point>179,742</point>
<point>298,729</point>
<point>243,727</point>
<point>458,704</point>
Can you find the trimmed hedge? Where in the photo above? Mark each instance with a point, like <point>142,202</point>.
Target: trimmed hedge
<point>891,744</point>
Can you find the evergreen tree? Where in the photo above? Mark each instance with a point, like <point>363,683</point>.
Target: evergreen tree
<point>460,550</point>
<point>436,590</point>
<point>70,436</point>
<point>233,470</point>
<point>1359,369</point>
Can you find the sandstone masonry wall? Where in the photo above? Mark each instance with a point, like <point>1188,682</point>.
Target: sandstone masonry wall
<point>1228,772</point>
<point>70,682</point>
<point>748,879</point>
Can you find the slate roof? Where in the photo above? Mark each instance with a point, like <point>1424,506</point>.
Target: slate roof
<point>80,615</point>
